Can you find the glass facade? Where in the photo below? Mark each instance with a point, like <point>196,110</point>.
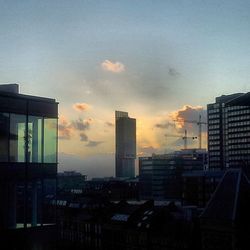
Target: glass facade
<point>28,158</point>
<point>35,139</point>
<point>28,139</point>
<point>17,135</point>
<point>50,140</point>
<point>4,137</point>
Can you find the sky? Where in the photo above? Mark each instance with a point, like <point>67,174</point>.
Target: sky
<point>159,60</point>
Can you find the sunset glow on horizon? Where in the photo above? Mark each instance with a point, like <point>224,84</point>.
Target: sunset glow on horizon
<point>160,61</point>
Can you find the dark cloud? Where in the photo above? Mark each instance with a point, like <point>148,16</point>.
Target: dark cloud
<point>110,124</point>
<point>81,124</point>
<point>67,130</point>
<point>94,143</point>
<point>64,130</point>
<point>173,72</point>
<point>83,137</point>
<point>165,125</point>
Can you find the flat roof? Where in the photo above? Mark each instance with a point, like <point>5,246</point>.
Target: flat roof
<point>30,97</point>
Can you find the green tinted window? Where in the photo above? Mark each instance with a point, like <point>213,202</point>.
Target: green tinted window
<point>50,140</point>
<point>35,139</point>
<point>17,137</point>
<point>4,136</point>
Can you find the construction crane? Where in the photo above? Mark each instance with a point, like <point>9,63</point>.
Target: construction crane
<point>199,123</point>
<point>185,137</point>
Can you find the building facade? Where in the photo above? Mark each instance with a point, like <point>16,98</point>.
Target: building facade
<point>199,186</point>
<point>229,131</point>
<point>28,158</point>
<point>160,176</point>
<point>125,138</point>
<point>224,223</point>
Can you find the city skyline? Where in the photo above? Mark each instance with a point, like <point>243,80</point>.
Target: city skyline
<point>157,60</point>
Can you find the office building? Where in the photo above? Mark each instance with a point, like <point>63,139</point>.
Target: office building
<point>28,159</point>
<point>125,137</point>
<point>229,131</point>
<point>199,186</point>
<point>160,176</point>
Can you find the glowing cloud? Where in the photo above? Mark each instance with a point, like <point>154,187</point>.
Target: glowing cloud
<point>115,67</point>
<point>81,106</point>
<point>188,113</point>
<point>176,122</point>
<point>64,129</point>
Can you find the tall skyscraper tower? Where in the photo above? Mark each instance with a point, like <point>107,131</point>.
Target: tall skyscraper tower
<point>125,137</point>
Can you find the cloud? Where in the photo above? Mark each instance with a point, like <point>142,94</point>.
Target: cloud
<point>83,137</point>
<point>67,129</point>
<point>146,151</point>
<point>173,72</point>
<point>81,124</point>
<point>115,67</point>
<point>175,123</point>
<point>187,116</point>
<point>165,125</point>
<point>64,129</point>
<point>110,124</point>
<point>93,143</point>
<point>81,106</point>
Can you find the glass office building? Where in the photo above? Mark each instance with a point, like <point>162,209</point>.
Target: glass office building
<point>229,131</point>
<point>28,158</point>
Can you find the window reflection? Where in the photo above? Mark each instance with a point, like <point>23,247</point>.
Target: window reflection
<point>35,139</point>
<point>39,142</point>
<point>17,137</point>
<point>4,136</point>
<point>50,140</point>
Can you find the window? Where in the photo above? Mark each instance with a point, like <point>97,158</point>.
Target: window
<point>4,136</point>
<point>35,139</point>
<point>50,140</point>
<point>32,139</point>
<point>17,137</point>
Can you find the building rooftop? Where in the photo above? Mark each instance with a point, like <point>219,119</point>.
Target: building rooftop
<point>208,173</point>
<point>12,90</point>
<point>224,202</point>
<point>242,100</point>
<point>226,98</point>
